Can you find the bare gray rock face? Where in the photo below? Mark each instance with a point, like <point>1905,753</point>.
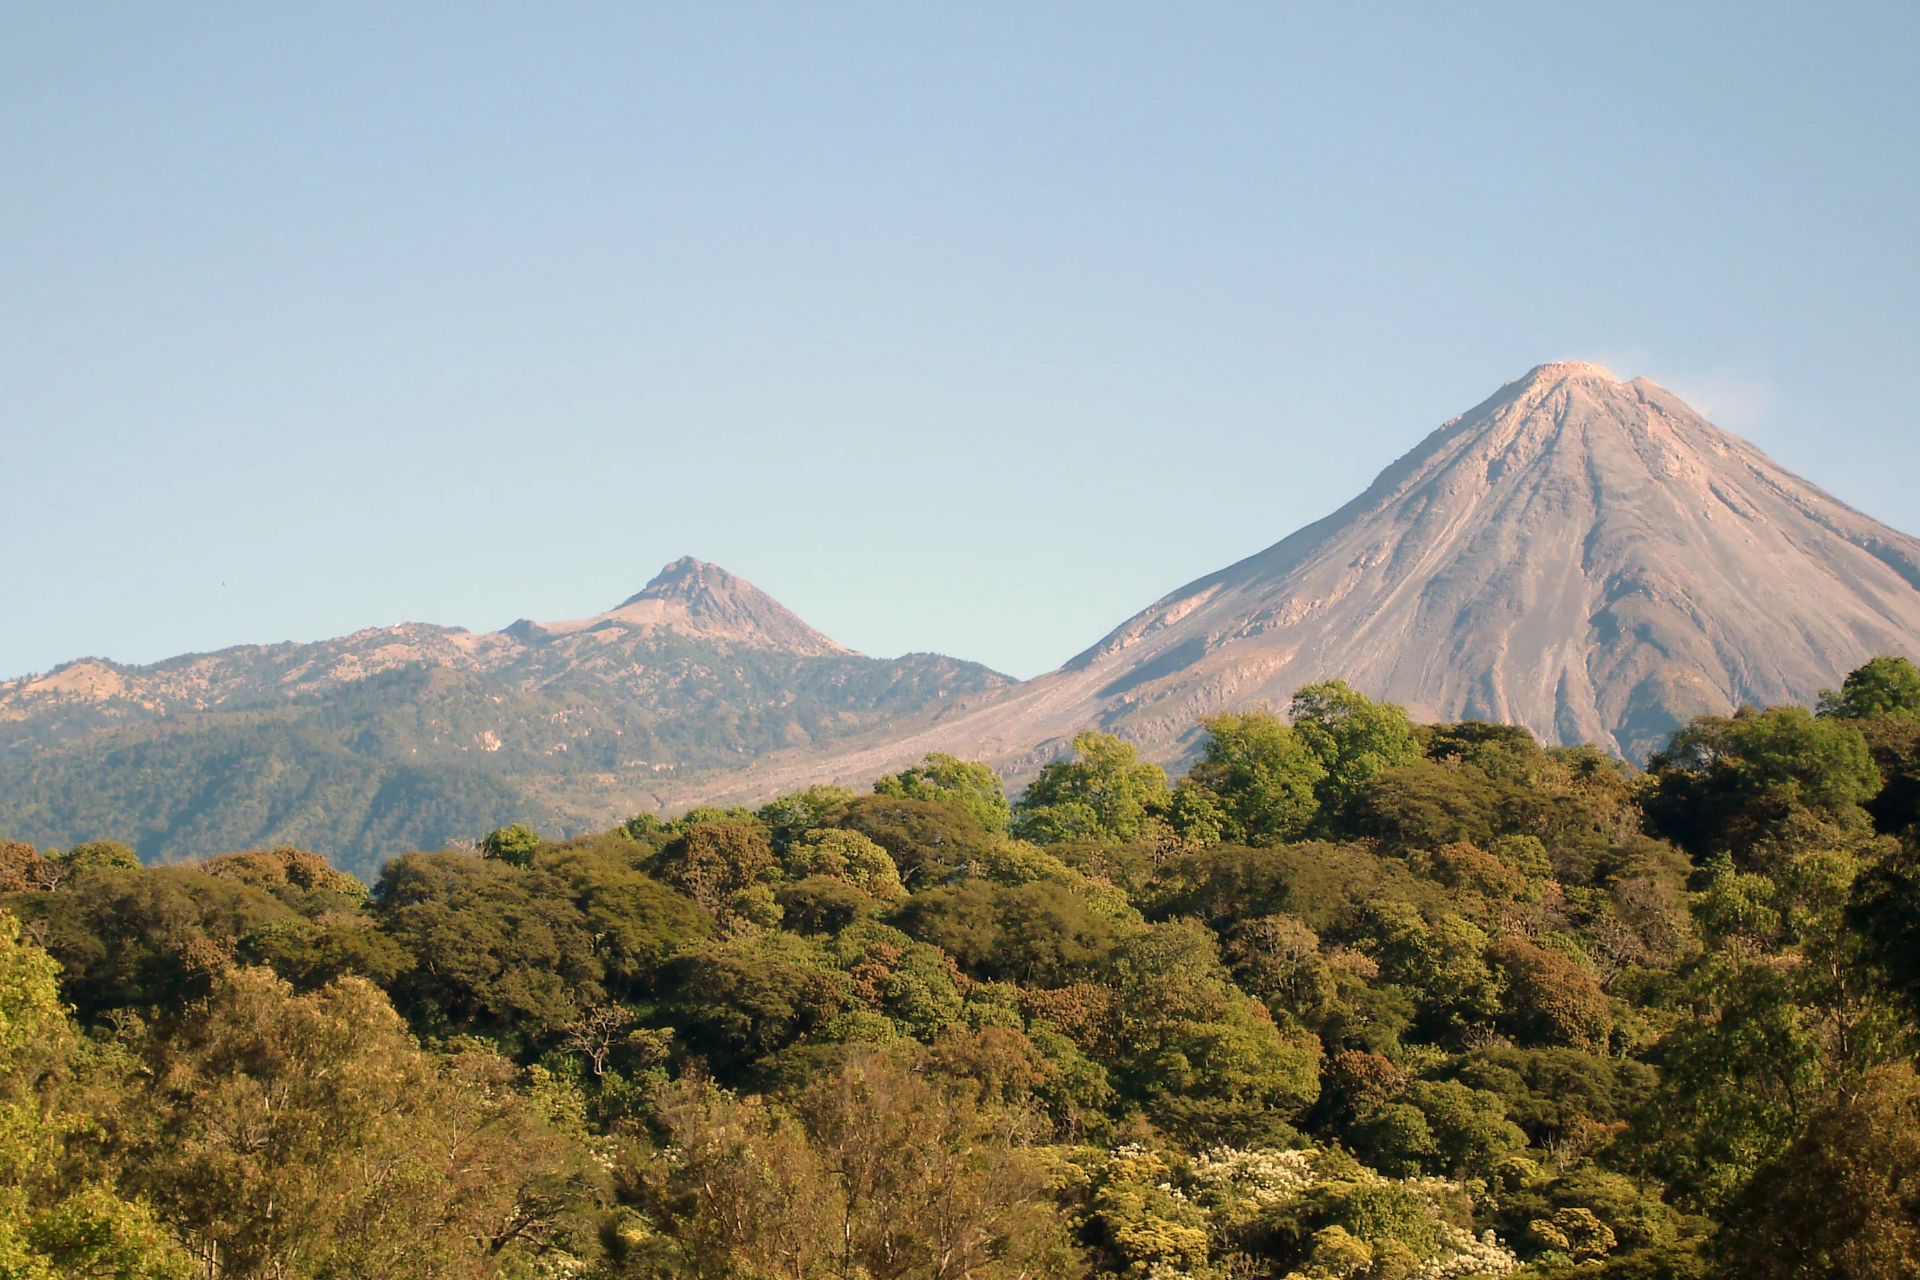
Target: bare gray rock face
<point>1589,558</point>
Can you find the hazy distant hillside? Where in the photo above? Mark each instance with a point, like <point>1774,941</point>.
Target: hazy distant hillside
<point>411,736</point>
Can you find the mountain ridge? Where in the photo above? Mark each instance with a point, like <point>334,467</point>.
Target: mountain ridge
<point>417,734</point>
<point>1587,557</point>
<point>689,597</point>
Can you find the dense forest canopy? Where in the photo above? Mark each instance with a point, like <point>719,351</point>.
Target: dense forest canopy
<point>1355,997</point>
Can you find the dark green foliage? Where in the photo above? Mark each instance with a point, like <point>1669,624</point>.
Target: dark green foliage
<point>1885,908</point>
<point>1034,934</point>
<point>637,923</point>
<point>739,1001</point>
<point>1558,1095</point>
<point>1641,1226</point>
<point>1203,1058</point>
<point>1426,804</point>
<point>1435,1127</point>
<point>1440,959</point>
<point>144,940</point>
<point>523,952</point>
<point>789,817</point>
<point>929,839</point>
<point>823,904</point>
<point>719,864</point>
<point>1326,886</point>
<point>1484,788</point>
<point>497,948</point>
<point>1736,1085</point>
<point>1277,959</point>
<point>1895,745</point>
<point>1183,1055</point>
<point>312,953</point>
<point>1844,1200</point>
<point>1728,783</point>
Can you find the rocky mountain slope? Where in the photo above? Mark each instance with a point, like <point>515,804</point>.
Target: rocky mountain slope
<point>408,736</point>
<point>1587,557</point>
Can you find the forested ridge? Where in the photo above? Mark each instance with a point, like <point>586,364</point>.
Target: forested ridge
<point>1353,998</point>
<point>420,754</point>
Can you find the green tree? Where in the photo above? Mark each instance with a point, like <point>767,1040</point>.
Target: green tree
<point>60,1214</point>
<point>1435,1126</point>
<point>1039,934</point>
<point>1205,1059</point>
<point>308,1135</point>
<point>514,845</point>
<point>791,816</point>
<point>741,1197</point>
<point>1841,1201</point>
<point>1259,776</point>
<point>1442,961</point>
<point>1731,783</point>
<point>1738,1080</point>
<point>740,1000</point>
<point>970,784</point>
<point>1356,740</point>
<point>286,869</point>
<point>497,949</point>
<point>874,1172</point>
<point>1885,686</point>
<point>1884,913</point>
<point>1104,791</point>
<point>1550,999</point>
<point>1278,959</point>
<point>110,855</point>
<point>929,840</point>
<point>726,867</point>
<point>849,856</point>
<point>146,939</point>
<point>927,1182</point>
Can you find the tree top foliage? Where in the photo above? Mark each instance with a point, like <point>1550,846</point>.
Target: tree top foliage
<point>1886,686</point>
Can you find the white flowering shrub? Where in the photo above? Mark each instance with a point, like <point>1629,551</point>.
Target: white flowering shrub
<point>1262,1176</point>
<point>1462,1256</point>
<point>1179,1223</point>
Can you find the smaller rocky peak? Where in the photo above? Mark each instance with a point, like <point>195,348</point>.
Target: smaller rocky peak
<point>687,579</point>
<point>696,599</point>
<point>525,630</point>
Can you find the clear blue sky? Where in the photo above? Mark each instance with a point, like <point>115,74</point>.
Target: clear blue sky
<point>972,328</point>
